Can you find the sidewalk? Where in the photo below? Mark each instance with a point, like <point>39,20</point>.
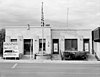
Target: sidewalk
<point>91,57</point>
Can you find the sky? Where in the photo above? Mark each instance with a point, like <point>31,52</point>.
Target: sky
<point>81,14</point>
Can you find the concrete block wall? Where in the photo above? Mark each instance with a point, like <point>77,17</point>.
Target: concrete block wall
<point>34,33</point>
<point>80,44</point>
<point>48,45</point>
<point>20,44</point>
<point>35,45</point>
<point>78,34</point>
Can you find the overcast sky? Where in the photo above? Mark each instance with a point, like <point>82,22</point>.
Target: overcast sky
<point>82,13</point>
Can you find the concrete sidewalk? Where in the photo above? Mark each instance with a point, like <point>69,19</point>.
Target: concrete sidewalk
<point>91,57</point>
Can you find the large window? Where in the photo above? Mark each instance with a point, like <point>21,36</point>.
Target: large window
<point>71,44</point>
<point>40,44</point>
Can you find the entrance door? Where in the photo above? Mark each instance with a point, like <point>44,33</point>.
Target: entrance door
<point>55,46</point>
<point>86,45</point>
<point>28,46</point>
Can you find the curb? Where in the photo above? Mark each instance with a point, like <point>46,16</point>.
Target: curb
<point>50,61</point>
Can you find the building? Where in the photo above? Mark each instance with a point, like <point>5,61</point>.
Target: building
<point>96,42</point>
<point>56,40</point>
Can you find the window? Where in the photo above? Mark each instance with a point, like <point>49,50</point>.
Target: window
<point>70,44</point>
<point>8,51</point>
<point>40,44</point>
<point>13,40</point>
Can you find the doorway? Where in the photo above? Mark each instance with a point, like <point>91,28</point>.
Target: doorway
<point>86,46</point>
<point>28,46</point>
<point>55,46</point>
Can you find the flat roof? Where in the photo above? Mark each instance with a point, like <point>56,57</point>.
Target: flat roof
<point>52,28</point>
<point>26,26</point>
<point>67,28</point>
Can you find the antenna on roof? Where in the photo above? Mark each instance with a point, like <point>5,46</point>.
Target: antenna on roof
<point>42,16</point>
<point>42,25</point>
<point>67,15</point>
<point>28,27</point>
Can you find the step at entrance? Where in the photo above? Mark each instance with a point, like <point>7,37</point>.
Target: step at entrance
<point>56,57</point>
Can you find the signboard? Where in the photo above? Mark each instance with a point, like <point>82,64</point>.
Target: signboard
<point>10,49</point>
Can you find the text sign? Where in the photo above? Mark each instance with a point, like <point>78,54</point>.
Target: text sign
<point>10,49</point>
<point>10,46</point>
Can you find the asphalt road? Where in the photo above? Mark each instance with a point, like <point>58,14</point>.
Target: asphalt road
<point>49,70</point>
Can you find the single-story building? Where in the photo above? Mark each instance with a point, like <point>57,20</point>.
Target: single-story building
<point>56,40</point>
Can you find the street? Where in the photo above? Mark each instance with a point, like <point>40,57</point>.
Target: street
<point>15,69</point>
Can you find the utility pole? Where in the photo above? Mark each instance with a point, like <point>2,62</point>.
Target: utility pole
<point>42,25</point>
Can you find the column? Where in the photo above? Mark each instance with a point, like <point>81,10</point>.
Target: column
<point>36,44</point>
<point>7,38</point>
<point>48,45</point>
<point>80,44</point>
<point>20,45</point>
<point>62,44</point>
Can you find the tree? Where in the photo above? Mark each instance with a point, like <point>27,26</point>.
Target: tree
<point>2,39</point>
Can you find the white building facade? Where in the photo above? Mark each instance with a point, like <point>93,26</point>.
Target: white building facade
<point>56,40</point>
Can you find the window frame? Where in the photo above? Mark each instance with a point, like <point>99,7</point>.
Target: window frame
<point>40,44</point>
<point>13,40</point>
<point>71,46</point>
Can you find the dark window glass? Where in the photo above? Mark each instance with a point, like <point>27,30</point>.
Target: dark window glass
<point>13,40</point>
<point>8,51</point>
<point>70,44</point>
<point>40,44</point>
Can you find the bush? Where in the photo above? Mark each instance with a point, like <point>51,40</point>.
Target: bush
<point>80,55</point>
<point>74,55</point>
